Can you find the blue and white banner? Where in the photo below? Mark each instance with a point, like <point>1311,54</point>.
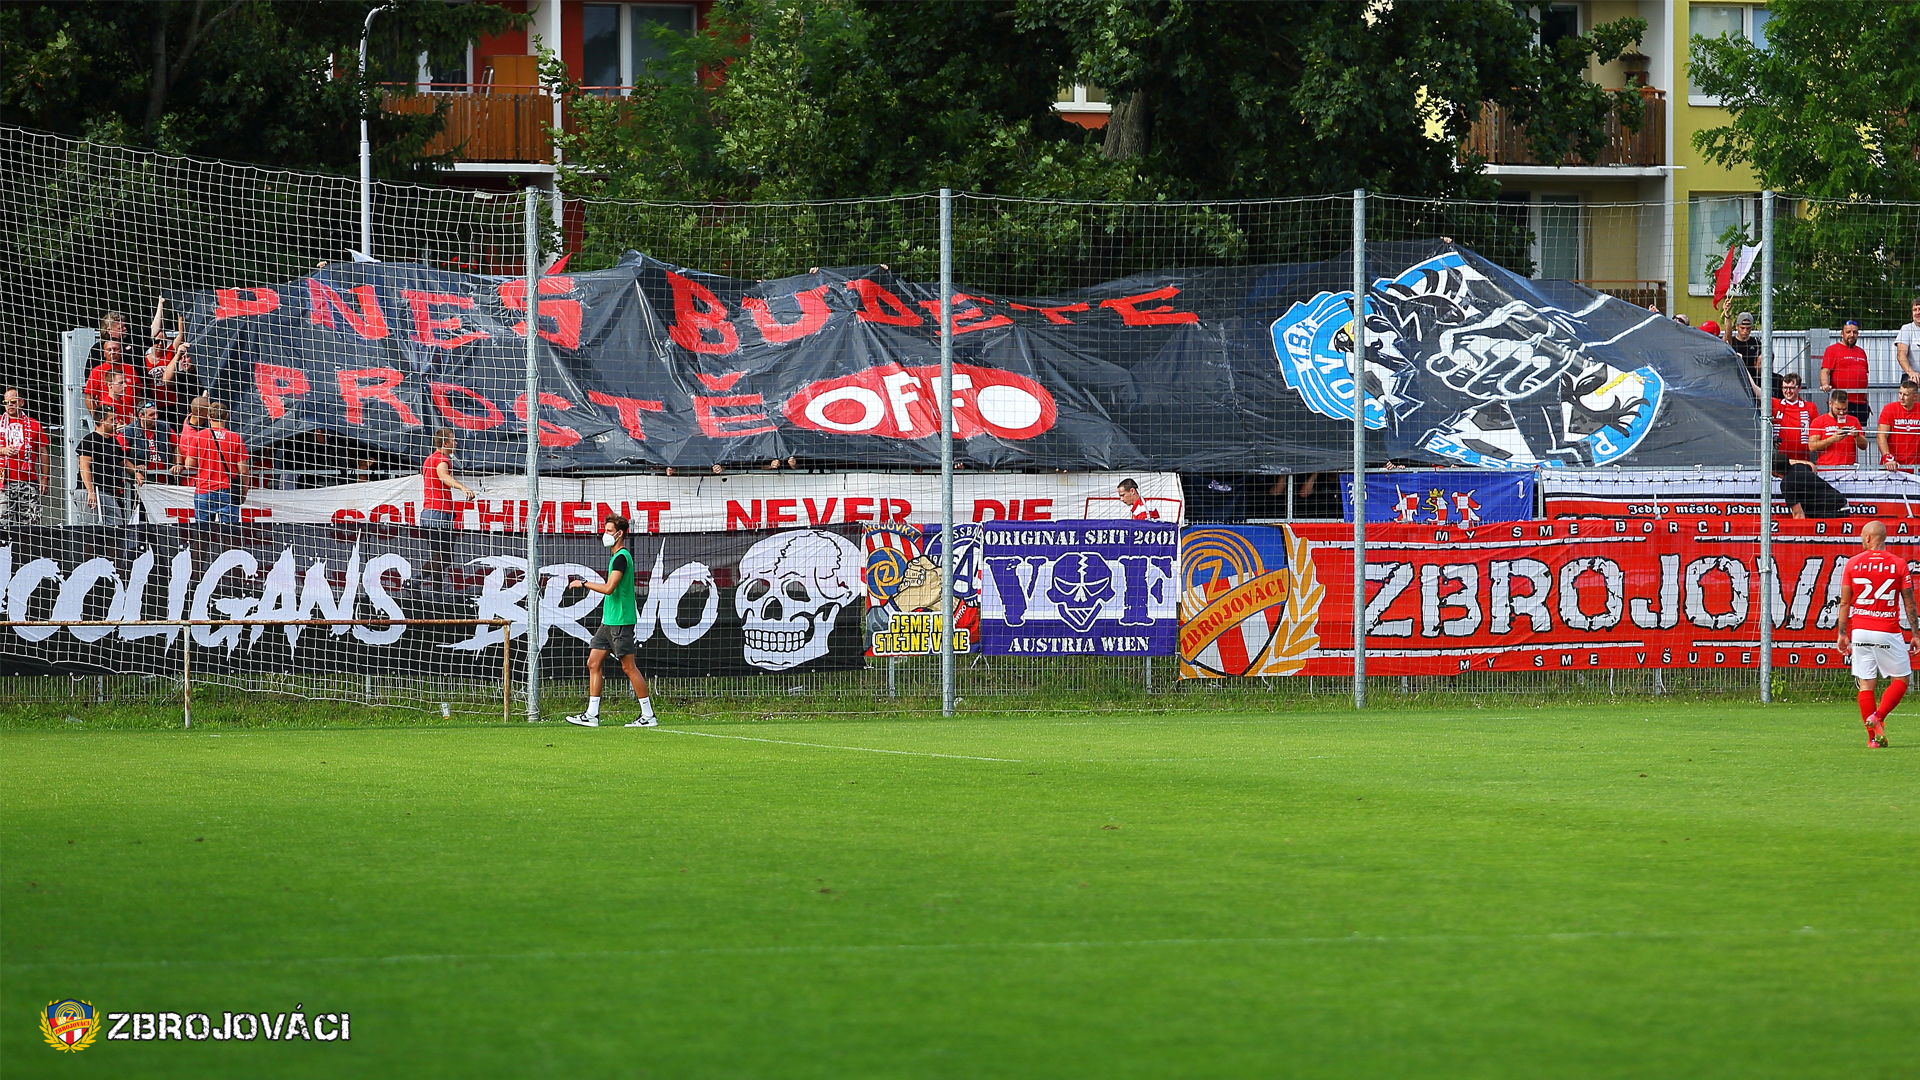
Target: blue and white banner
<point>1096,588</point>
<point>1465,497</point>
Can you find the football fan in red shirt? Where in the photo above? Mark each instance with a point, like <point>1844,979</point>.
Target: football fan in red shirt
<point>1844,367</point>
<point>23,461</point>
<point>1792,419</point>
<point>1877,586</point>
<point>1836,435</point>
<point>1136,506</point>
<point>437,509</point>
<point>1900,428</point>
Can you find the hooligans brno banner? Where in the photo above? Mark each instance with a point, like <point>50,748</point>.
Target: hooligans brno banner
<point>1527,596</point>
<point>708,603</point>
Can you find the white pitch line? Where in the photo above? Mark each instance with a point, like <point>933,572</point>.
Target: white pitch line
<point>972,946</point>
<point>830,746</point>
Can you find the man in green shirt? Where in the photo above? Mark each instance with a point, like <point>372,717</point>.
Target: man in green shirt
<point>617,617</point>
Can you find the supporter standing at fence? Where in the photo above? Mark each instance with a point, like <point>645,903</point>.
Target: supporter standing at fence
<point>1899,428</point>
<point>1136,506</point>
<point>1792,419</point>
<point>1844,367</point>
<point>1877,586</point>
<point>169,363</point>
<point>1806,495</point>
<point>1837,434</point>
<point>113,357</point>
<point>150,452</point>
<point>436,475</point>
<point>119,402</point>
<point>23,447</point>
<point>1741,338</point>
<point>217,460</point>
<point>1906,347</point>
<point>99,498</point>
<point>615,636</point>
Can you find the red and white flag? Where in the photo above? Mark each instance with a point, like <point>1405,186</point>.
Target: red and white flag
<point>1733,269</point>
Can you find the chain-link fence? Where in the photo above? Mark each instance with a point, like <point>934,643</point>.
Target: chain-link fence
<point>721,375</point>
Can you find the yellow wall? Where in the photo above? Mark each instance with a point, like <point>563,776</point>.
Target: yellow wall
<point>1696,173</point>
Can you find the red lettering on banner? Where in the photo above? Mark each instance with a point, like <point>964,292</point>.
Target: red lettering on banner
<point>859,509</point>
<point>967,320</point>
<point>739,518</point>
<point>816,516</point>
<point>731,427</point>
<point>425,325</point>
<point>361,385</point>
<point>387,514</point>
<point>813,316</point>
<point>875,297</point>
<point>989,510</point>
<point>1055,313</point>
<point>1037,510</point>
<point>629,409</point>
<point>1133,315</point>
<point>323,303</point>
<point>181,514</point>
<point>507,517</point>
<point>443,393</point>
<point>230,304</point>
<point>546,518</point>
<point>566,314</point>
<point>653,510</point>
<point>275,384</point>
<point>901,403</point>
<point>551,434</point>
<point>898,509</point>
<point>342,515</point>
<point>573,517</point>
<point>781,512</point>
<point>697,312</point>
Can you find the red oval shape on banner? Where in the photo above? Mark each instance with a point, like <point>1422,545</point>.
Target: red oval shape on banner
<point>899,403</point>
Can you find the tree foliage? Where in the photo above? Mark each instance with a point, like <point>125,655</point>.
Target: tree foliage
<point>243,80</point>
<point>1828,110</point>
<point>818,99</point>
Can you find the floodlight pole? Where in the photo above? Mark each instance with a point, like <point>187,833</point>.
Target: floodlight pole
<point>1360,448</point>
<point>533,455</point>
<point>947,541</point>
<point>366,148</point>
<point>1766,447</point>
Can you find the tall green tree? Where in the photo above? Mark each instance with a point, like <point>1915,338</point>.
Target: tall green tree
<point>1829,109</point>
<point>844,98</point>
<point>244,80</point>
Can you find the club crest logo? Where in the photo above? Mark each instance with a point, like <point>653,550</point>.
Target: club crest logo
<point>70,1026</point>
<point>1462,370</point>
<point>1250,600</point>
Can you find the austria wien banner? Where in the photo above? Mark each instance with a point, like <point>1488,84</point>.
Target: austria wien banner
<point>1533,596</point>
<point>709,603</point>
<point>1240,369</point>
<point>1079,588</point>
<point>707,503</point>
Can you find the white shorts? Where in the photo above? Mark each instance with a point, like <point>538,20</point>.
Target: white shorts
<point>1880,654</point>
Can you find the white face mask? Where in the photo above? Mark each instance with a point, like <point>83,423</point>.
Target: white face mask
<point>606,540</point>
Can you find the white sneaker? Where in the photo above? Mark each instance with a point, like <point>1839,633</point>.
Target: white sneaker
<point>583,720</point>
<point>645,721</point>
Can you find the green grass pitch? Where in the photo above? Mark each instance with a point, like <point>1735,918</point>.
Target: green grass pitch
<point>1623,890</point>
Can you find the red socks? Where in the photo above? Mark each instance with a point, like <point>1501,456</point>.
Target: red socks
<point>1891,699</point>
<point>1866,702</point>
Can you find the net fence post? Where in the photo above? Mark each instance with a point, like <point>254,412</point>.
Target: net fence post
<point>186,676</point>
<point>1359,448</point>
<point>947,542</point>
<point>533,457</point>
<point>1766,447</point>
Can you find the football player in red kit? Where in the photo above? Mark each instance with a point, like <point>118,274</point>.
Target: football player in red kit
<point>1877,587</point>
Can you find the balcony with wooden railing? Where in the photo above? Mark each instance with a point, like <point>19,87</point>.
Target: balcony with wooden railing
<point>485,122</point>
<point>1502,142</point>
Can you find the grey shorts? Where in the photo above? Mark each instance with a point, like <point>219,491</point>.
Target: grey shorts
<point>617,640</point>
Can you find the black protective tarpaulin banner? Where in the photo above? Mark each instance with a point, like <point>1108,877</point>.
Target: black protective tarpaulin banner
<point>1238,369</point>
<point>736,603</point>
